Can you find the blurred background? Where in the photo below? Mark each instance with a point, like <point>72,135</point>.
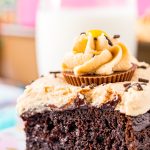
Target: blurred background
<point>35,34</point>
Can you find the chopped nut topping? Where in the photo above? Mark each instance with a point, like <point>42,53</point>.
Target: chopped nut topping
<point>46,89</point>
<point>67,91</point>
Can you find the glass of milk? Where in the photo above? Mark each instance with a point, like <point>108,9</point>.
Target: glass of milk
<point>58,22</point>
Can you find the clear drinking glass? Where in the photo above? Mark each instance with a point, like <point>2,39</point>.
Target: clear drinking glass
<point>60,21</point>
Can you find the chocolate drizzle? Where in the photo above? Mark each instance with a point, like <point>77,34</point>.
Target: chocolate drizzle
<point>109,41</point>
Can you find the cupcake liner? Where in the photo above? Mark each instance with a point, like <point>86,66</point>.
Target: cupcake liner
<point>99,79</point>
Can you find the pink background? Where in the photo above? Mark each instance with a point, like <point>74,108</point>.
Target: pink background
<point>143,6</point>
<point>26,12</point>
<point>26,9</point>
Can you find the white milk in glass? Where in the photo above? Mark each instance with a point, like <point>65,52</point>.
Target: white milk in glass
<point>57,27</point>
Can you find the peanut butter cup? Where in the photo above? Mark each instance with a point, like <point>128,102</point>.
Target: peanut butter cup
<point>99,79</point>
<point>104,60</point>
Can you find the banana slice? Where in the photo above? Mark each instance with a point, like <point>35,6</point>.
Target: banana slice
<point>106,69</point>
<point>72,60</point>
<point>80,44</point>
<point>125,62</point>
<point>94,63</point>
<point>102,43</point>
<point>90,47</point>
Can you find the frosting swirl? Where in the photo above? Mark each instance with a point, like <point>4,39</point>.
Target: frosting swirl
<point>96,52</point>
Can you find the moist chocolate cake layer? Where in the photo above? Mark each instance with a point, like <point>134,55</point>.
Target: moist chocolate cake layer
<point>138,132</point>
<point>88,128</point>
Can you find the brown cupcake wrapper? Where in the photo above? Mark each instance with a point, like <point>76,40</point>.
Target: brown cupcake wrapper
<point>99,79</point>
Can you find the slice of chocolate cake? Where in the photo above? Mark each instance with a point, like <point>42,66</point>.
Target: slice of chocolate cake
<point>59,116</point>
<point>108,112</point>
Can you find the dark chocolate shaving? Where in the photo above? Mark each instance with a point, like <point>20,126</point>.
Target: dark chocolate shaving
<point>138,85</point>
<point>95,38</point>
<point>55,73</point>
<point>126,84</point>
<point>41,76</point>
<point>143,80</point>
<point>82,33</point>
<point>116,36</point>
<point>109,41</point>
<point>143,67</point>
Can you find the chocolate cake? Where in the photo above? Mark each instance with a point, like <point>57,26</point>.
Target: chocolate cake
<point>88,128</point>
<point>85,117</point>
<point>112,116</point>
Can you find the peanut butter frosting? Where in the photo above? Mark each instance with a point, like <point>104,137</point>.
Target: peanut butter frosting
<point>96,52</point>
<point>51,92</point>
